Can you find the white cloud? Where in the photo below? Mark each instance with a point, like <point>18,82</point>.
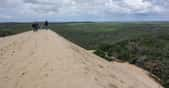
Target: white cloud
<point>5,17</point>
<point>10,3</point>
<point>81,8</point>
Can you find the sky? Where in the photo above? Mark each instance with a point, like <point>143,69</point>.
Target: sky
<point>83,10</point>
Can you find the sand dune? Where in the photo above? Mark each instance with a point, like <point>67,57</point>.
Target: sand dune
<point>44,59</point>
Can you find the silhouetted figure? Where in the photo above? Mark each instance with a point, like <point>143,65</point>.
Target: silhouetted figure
<point>35,26</point>
<point>46,25</point>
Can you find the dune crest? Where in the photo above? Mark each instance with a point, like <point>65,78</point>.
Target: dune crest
<point>44,59</point>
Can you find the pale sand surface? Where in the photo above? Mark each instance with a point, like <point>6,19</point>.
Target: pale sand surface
<point>44,59</point>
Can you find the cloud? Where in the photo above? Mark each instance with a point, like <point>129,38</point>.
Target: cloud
<point>80,9</point>
<point>5,17</point>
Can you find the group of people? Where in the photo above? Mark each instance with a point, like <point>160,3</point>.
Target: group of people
<point>37,26</point>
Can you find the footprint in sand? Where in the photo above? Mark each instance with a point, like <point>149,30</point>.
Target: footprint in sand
<point>13,52</point>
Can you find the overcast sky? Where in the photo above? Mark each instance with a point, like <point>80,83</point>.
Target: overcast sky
<point>84,10</point>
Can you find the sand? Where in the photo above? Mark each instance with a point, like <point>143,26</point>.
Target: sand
<point>44,59</point>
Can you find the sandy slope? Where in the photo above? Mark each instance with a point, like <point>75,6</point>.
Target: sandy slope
<point>45,60</point>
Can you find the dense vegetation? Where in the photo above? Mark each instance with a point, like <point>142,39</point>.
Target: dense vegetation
<point>143,44</point>
<point>148,52</point>
<point>91,35</point>
<point>13,28</point>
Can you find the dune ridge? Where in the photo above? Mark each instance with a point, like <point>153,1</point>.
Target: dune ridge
<point>44,59</point>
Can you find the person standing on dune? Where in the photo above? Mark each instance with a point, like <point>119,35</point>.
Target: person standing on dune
<point>35,26</point>
<point>46,25</point>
